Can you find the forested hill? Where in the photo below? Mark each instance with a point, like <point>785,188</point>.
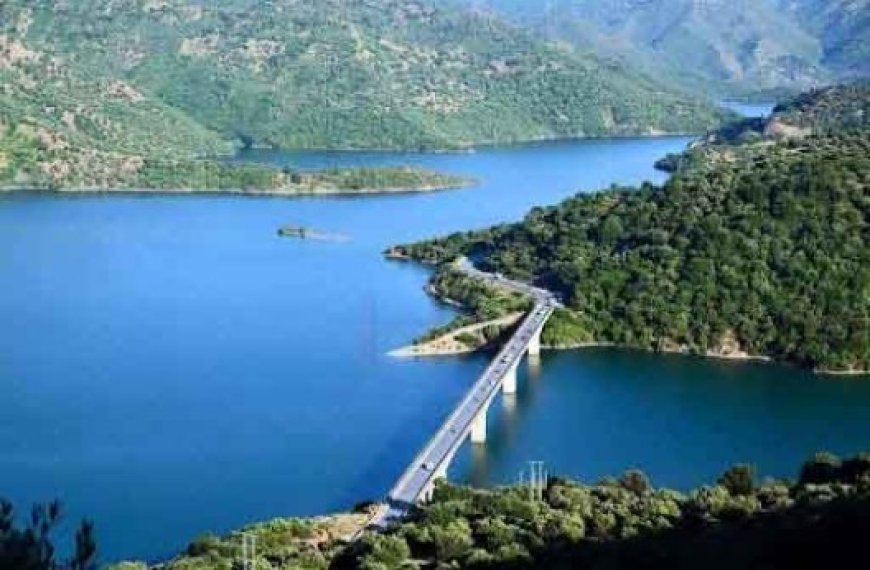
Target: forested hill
<point>734,47</point>
<point>827,111</point>
<point>759,247</point>
<point>313,74</point>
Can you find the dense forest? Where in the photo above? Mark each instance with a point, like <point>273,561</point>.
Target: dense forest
<point>624,522</point>
<point>759,247</point>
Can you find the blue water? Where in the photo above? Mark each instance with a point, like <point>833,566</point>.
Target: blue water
<point>172,367</point>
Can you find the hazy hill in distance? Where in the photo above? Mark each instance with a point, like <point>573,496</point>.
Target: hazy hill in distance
<point>843,27</point>
<point>320,74</point>
<point>728,47</point>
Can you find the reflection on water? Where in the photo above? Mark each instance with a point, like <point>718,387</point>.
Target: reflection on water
<point>683,420</point>
<point>535,369</point>
<point>505,420</point>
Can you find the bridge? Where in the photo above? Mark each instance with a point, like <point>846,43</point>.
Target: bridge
<point>468,419</point>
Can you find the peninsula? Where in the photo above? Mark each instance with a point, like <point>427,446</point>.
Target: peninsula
<point>755,248</point>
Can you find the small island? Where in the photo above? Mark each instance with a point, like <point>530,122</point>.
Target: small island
<point>63,170</point>
<point>302,232</point>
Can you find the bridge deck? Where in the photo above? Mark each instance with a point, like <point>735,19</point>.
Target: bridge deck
<point>432,461</point>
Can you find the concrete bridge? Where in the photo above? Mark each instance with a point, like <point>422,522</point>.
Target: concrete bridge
<point>468,420</point>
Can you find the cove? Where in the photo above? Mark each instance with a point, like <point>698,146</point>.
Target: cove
<point>171,366</point>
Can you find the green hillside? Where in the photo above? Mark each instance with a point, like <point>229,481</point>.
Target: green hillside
<point>755,246</point>
<point>63,123</point>
<point>350,73</point>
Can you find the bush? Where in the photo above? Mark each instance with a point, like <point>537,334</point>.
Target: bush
<point>383,551</point>
<point>824,467</point>
<point>635,481</point>
<point>739,480</point>
<point>203,545</point>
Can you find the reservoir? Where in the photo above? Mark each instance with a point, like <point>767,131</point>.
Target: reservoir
<point>170,366</point>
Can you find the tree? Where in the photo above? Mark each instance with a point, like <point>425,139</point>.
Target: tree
<point>31,547</point>
<point>383,551</point>
<point>635,481</point>
<point>739,480</point>
<point>822,468</point>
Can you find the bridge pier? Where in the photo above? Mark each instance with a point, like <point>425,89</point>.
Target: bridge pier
<point>428,494</point>
<point>535,343</point>
<point>478,427</point>
<point>440,473</point>
<point>509,384</point>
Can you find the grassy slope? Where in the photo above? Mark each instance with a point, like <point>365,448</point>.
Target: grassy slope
<point>66,123</point>
<point>61,123</point>
<point>357,74</point>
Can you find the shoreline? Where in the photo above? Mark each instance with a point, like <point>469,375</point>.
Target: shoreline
<point>736,356</point>
<point>425,350</point>
<point>715,355</point>
<point>448,343</point>
<point>489,144</point>
<point>841,373</point>
<point>278,193</point>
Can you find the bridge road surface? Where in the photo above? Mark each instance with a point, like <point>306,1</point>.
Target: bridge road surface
<point>432,462</point>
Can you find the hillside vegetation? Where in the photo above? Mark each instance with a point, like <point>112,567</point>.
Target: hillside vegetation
<point>336,74</point>
<point>735,522</point>
<point>734,48</point>
<point>758,247</point>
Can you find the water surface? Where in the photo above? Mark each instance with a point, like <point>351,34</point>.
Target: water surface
<point>171,366</point>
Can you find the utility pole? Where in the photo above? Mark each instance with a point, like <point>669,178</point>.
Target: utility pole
<point>249,551</point>
<point>537,480</point>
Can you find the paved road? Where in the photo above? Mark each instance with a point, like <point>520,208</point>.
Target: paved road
<point>433,460</point>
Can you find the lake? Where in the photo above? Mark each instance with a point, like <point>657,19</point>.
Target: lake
<point>172,367</point>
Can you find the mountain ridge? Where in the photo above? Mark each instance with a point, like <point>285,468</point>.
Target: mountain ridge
<point>350,73</point>
<point>734,48</point>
